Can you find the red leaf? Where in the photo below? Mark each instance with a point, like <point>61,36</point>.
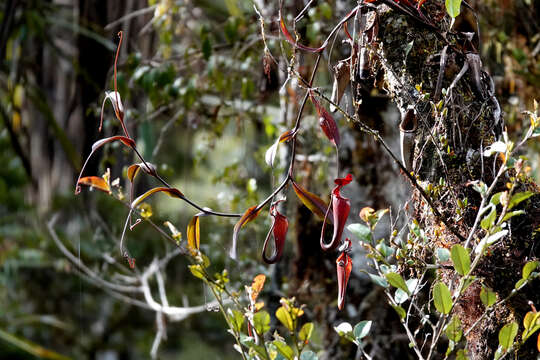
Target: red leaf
<point>344,268</point>
<point>314,203</point>
<point>278,231</point>
<point>248,216</point>
<point>293,42</point>
<point>95,182</point>
<point>125,140</point>
<point>326,121</point>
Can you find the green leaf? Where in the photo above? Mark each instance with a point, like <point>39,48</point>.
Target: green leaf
<point>237,319</point>
<point>520,283</point>
<point>487,296</point>
<point>531,322</point>
<point>462,355</point>
<point>361,231</point>
<point>379,280</point>
<point>529,268</point>
<point>30,347</point>
<point>261,322</point>
<point>285,318</point>
<point>453,329</point>
<point>443,254</point>
<point>306,331</point>
<point>511,214</point>
<point>308,355</point>
<point>397,281</point>
<point>400,311</point>
<point>284,349</point>
<point>442,298</point>
<point>461,259</point>
<point>453,7</point>
<point>400,296</point>
<point>496,198</point>
<point>361,330</point>
<point>519,197</point>
<point>507,335</point>
<point>488,221</point>
<point>197,271</point>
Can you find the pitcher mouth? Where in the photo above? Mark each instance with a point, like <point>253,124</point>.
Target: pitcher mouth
<point>409,123</point>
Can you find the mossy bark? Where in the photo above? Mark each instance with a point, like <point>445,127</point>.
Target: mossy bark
<point>448,153</point>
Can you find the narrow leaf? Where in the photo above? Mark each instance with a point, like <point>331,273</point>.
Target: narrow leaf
<point>173,192</point>
<point>507,335</point>
<point>248,216</point>
<point>460,258</point>
<point>314,203</point>
<point>125,140</point>
<point>95,182</point>
<point>397,281</point>
<point>488,221</point>
<point>193,235</point>
<point>442,298</point>
<point>272,150</point>
<point>519,197</point>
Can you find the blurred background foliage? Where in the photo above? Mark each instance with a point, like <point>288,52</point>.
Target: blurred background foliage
<point>203,109</point>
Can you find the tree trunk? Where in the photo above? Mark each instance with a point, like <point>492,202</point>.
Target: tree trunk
<point>447,150</point>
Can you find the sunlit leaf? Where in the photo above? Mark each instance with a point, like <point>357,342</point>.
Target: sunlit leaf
<point>257,286</point>
<point>519,197</point>
<point>528,268</point>
<point>133,170</point>
<point>460,259</point>
<point>361,330</point>
<point>284,349</point>
<point>236,318</point>
<point>285,318</point>
<point>305,332</point>
<point>531,323</point>
<point>197,271</point>
<point>95,182</point>
<point>397,281</point>
<point>116,100</point>
<point>313,203</point>
<point>248,216</point>
<point>507,335</point>
<point>272,150</point>
<point>261,322</point>
<point>125,140</point>
<point>173,192</point>
<point>177,235</point>
<point>442,298</point>
<point>193,235</point>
